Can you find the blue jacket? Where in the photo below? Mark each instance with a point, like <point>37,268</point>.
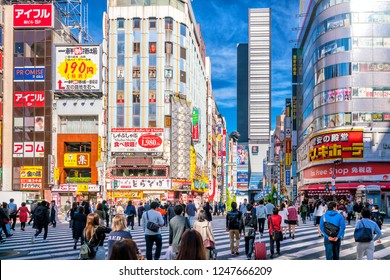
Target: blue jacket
<point>335,218</point>
<point>371,225</point>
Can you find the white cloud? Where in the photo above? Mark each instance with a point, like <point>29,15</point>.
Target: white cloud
<point>225,97</point>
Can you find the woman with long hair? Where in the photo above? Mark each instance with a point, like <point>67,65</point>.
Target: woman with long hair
<point>119,232</point>
<point>100,211</point>
<point>96,233</point>
<point>79,221</point>
<point>131,213</point>
<point>124,249</point>
<point>283,213</point>
<point>72,212</point>
<point>191,246</point>
<point>206,231</point>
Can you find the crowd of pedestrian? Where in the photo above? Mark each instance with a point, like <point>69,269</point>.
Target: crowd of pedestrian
<point>190,230</point>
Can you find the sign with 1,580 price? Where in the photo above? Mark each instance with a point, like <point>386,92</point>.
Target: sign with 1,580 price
<point>77,68</point>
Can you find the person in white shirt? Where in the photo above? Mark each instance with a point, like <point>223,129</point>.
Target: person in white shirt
<point>261,214</point>
<point>319,210</point>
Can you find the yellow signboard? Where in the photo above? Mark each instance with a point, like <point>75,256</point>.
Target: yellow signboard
<point>82,187</point>
<point>31,172</point>
<point>125,194</point>
<point>76,160</point>
<point>56,174</point>
<point>77,69</point>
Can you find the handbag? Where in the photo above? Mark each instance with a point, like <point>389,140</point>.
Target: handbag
<point>87,251</point>
<point>150,225</point>
<point>363,234</point>
<point>330,229</point>
<point>276,235</point>
<point>209,244</point>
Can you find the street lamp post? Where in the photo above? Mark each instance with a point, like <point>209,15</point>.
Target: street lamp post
<point>68,179</point>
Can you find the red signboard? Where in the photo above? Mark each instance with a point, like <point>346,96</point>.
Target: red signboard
<point>29,99</point>
<point>337,144</point>
<point>33,16</point>
<point>367,170</point>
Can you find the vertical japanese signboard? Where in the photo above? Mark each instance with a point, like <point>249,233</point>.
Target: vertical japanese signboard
<point>31,177</point>
<point>195,124</point>
<point>77,68</point>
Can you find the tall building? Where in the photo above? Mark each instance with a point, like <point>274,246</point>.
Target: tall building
<point>51,108</point>
<point>242,91</point>
<point>157,102</point>
<point>342,107</point>
<point>259,95</point>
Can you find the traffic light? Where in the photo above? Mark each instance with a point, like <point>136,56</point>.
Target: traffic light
<point>327,187</point>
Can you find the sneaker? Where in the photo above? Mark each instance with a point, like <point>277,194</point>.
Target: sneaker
<point>232,253</point>
<point>271,256</point>
<point>237,253</point>
<point>248,258</point>
<point>293,236</point>
<point>8,235</point>
<point>33,239</point>
<point>44,240</point>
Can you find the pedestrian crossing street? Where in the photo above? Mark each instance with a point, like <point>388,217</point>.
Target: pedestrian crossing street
<point>306,245</point>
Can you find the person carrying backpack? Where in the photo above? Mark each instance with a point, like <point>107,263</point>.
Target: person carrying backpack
<point>250,228</point>
<point>234,225</point>
<point>377,218</point>
<point>41,220</point>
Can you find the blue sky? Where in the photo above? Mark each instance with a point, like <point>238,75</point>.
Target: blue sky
<point>224,24</point>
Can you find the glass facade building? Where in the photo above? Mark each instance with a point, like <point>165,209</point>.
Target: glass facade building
<point>344,73</point>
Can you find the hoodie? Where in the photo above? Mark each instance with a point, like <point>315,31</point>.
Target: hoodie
<point>335,218</point>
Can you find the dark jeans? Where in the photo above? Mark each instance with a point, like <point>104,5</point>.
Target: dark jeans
<point>332,249</point>
<point>39,230</point>
<point>107,219</point>
<point>271,245</point>
<point>261,222</point>
<point>4,228</point>
<point>130,221</point>
<point>13,219</point>
<point>139,220</point>
<point>53,222</point>
<point>249,246</point>
<point>77,240</point>
<point>150,239</point>
<point>349,218</point>
<point>22,225</point>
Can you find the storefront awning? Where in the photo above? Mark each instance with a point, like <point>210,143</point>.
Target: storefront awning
<point>345,186</point>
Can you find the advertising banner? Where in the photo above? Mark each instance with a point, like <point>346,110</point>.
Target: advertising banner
<point>195,124</point>
<point>77,68</point>
<point>29,149</point>
<point>33,16</point>
<point>354,171</point>
<point>29,99</point>
<point>29,74</point>
<point>242,155</point>
<point>31,177</point>
<point>141,184</point>
<point>137,140</point>
<point>242,177</point>
<point>181,185</point>
<point>125,194</point>
<point>288,177</point>
<point>76,160</point>
<point>336,144</point>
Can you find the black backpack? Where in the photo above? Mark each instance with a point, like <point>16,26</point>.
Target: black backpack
<point>234,220</point>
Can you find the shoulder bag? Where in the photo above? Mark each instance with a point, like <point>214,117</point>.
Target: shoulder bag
<point>87,251</point>
<point>330,229</point>
<point>209,244</point>
<point>363,234</point>
<point>150,225</point>
<point>276,235</point>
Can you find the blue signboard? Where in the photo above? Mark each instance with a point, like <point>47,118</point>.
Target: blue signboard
<point>288,177</point>
<point>242,177</point>
<point>29,74</point>
<point>255,180</point>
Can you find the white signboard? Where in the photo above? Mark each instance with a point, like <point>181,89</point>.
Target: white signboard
<point>137,140</point>
<point>140,184</point>
<point>77,68</point>
<point>29,149</point>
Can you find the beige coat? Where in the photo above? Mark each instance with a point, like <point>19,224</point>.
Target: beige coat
<point>205,229</point>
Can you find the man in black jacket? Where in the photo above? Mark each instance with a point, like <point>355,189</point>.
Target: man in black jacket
<point>41,220</point>
<point>234,225</point>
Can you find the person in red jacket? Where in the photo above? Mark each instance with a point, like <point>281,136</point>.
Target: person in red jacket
<point>274,222</point>
<point>23,216</point>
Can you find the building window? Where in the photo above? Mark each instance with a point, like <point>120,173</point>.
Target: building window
<point>120,72</point>
<point>152,72</point>
<point>136,47</point>
<point>183,77</point>
<point>19,49</point>
<point>136,23</point>
<point>152,23</point>
<point>121,23</point>
<point>183,53</point>
<point>136,98</point>
<point>152,47</point>
<point>169,23</point>
<point>152,96</point>
<point>152,123</point>
<point>136,73</point>
<point>120,97</point>
<point>183,30</point>
<point>120,84</point>
<point>152,60</point>
<point>152,84</point>
<point>120,115</point>
<point>168,47</point>
<point>136,60</point>
<point>136,84</point>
